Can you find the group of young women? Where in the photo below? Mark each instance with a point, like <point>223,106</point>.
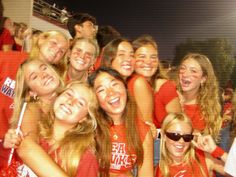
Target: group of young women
<point>104,123</point>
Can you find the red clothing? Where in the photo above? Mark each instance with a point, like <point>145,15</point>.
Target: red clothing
<point>9,63</point>
<point>193,111</point>
<point>6,38</point>
<point>122,159</point>
<point>88,165</point>
<point>163,96</point>
<point>185,170</point>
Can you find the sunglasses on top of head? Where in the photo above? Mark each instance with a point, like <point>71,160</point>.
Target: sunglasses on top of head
<point>177,136</point>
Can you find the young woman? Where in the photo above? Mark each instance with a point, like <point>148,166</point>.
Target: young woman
<point>199,89</point>
<point>51,47</point>
<point>128,141</point>
<point>67,135</point>
<point>119,55</point>
<point>6,34</point>
<point>81,58</point>
<point>178,155</point>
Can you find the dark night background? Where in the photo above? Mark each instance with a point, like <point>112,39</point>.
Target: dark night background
<point>168,21</point>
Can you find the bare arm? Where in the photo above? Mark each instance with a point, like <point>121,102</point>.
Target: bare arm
<point>146,169</point>
<point>174,106</point>
<point>31,152</point>
<point>144,99</point>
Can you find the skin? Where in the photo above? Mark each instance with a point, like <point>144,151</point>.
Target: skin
<point>112,97</point>
<point>190,77</point>
<point>81,58</point>
<point>124,60</point>
<point>146,61</point>
<point>53,48</point>
<point>86,30</point>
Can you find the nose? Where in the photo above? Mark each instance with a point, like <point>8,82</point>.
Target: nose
<point>71,101</point>
<point>110,92</point>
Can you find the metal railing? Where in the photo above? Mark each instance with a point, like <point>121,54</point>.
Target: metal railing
<point>51,12</point>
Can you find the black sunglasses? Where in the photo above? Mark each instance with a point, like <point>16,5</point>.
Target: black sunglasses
<point>177,136</point>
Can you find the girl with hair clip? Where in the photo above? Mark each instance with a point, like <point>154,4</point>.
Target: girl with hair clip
<point>199,94</point>
<point>179,157</point>
<point>67,134</point>
<point>128,141</point>
<point>80,58</point>
<point>51,47</point>
<point>119,55</point>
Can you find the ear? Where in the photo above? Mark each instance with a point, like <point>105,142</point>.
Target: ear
<point>78,29</point>
<point>32,94</point>
<point>203,80</point>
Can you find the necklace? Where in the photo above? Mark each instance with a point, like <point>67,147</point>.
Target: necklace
<point>114,133</point>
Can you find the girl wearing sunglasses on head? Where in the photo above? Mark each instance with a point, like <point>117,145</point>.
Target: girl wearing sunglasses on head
<point>179,156</point>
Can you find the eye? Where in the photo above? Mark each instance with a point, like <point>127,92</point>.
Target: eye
<point>100,90</point>
<point>81,103</point>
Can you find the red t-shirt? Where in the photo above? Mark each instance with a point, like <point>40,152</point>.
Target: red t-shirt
<point>122,159</point>
<point>185,170</point>
<point>6,38</point>
<point>88,164</point>
<point>163,96</point>
<point>9,63</point>
<point>193,111</point>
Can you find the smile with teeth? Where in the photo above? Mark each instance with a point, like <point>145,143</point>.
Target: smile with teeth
<point>66,109</point>
<point>185,82</point>
<point>49,79</point>
<point>80,61</point>
<point>114,101</point>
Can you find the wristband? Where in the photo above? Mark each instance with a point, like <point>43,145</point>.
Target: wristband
<point>218,152</point>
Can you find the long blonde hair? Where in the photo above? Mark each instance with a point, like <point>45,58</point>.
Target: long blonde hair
<point>76,140</point>
<point>165,159</point>
<point>208,95</point>
<point>105,122</point>
<point>35,51</point>
<point>22,90</point>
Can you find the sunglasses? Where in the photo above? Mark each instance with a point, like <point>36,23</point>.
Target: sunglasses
<point>177,136</point>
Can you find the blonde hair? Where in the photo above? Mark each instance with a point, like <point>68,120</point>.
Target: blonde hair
<point>165,159</point>
<point>76,140</point>
<point>35,51</point>
<point>22,90</point>
<point>208,95</point>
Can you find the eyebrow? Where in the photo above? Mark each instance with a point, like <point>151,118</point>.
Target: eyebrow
<point>102,85</point>
<point>42,65</point>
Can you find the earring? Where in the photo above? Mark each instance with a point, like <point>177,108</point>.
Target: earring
<point>35,97</point>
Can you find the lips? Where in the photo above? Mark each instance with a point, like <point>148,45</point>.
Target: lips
<point>114,101</point>
<point>66,108</point>
<point>48,80</point>
<point>185,83</point>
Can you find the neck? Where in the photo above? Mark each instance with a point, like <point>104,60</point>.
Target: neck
<point>48,99</point>
<point>59,129</point>
<point>76,75</point>
<point>190,96</point>
<point>117,119</point>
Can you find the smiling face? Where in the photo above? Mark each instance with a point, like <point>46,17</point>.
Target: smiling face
<point>177,149</point>
<point>41,78</point>
<point>146,60</point>
<point>71,107</point>
<point>82,55</point>
<point>124,59</point>
<point>111,94</point>
<point>191,76</point>
<point>53,48</point>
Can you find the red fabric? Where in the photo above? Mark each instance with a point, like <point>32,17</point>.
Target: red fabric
<point>228,106</point>
<point>9,63</point>
<point>6,38</point>
<point>186,170</point>
<point>194,113</point>
<point>98,62</point>
<point>122,159</point>
<point>17,47</point>
<point>163,96</point>
<point>88,165</point>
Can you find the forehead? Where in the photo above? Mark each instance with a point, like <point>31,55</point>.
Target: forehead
<point>146,47</point>
<point>180,127</point>
<point>87,22</point>
<point>84,45</point>
<point>124,45</point>
<point>103,78</point>
<point>80,91</point>
<point>191,63</point>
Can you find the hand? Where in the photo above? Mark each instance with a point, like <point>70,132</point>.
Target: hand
<point>204,142</point>
<point>11,139</point>
<point>153,129</point>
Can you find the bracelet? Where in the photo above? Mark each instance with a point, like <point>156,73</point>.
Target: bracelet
<point>218,152</point>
